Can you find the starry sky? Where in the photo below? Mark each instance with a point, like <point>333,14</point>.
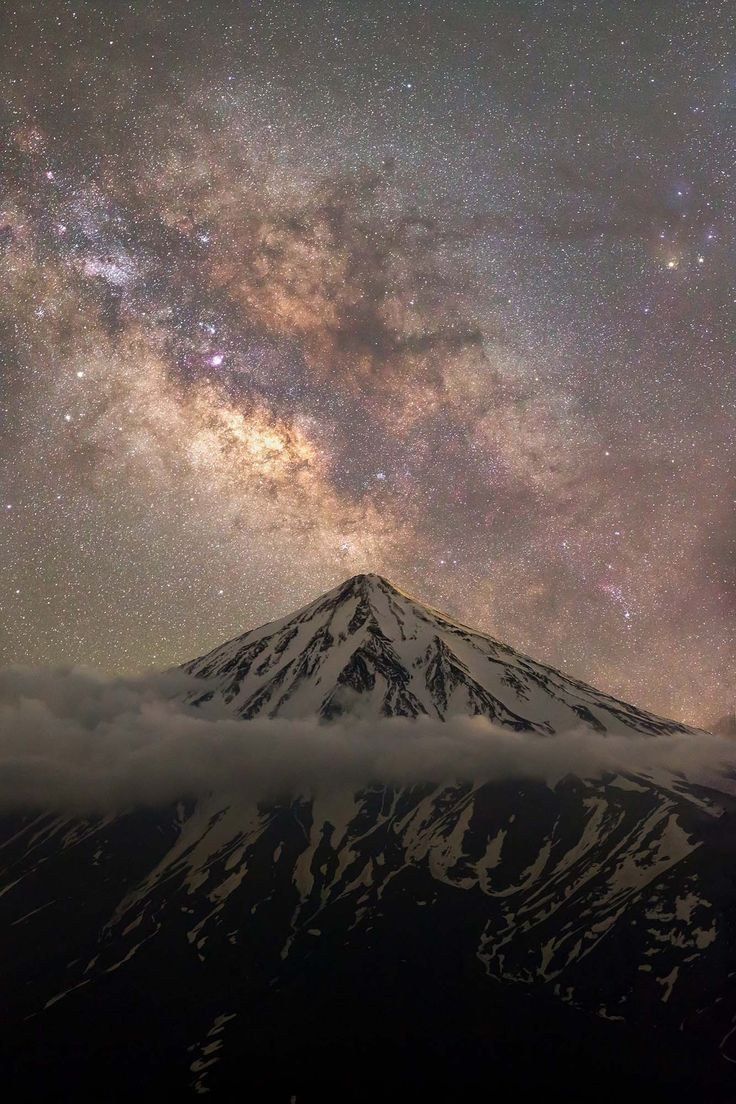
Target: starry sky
<point>441,290</point>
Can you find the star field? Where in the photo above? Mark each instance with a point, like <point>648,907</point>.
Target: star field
<point>438,290</point>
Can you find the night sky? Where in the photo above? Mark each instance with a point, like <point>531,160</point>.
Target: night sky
<point>443,291</point>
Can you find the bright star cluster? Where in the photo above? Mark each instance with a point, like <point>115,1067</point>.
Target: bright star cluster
<point>441,290</point>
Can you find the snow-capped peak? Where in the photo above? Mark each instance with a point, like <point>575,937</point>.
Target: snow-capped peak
<point>367,647</point>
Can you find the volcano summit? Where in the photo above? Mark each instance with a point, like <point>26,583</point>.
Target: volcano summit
<point>368,648</point>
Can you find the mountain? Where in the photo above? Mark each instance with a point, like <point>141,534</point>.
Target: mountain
<point>485,938</point>
<point>368,648</point>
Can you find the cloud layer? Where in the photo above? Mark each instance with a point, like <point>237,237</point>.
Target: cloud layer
<point>75,741</point>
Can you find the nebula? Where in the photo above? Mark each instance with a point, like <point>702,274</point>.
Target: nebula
<point>287,297</point>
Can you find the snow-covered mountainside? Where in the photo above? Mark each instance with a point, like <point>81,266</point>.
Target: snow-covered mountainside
<point>367,648</point>
<point>432,942</point>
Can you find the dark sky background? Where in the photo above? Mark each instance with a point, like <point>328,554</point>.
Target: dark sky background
<point>443,290</point>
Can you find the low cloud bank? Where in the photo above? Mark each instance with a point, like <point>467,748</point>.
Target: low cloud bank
<point>76,741</point>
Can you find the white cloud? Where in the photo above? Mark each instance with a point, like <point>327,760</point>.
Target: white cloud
<point>76,741</point>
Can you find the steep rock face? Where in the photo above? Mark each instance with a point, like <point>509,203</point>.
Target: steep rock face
<point>423,942</point>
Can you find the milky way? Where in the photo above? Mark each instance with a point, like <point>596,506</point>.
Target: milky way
<point>438,290</point>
